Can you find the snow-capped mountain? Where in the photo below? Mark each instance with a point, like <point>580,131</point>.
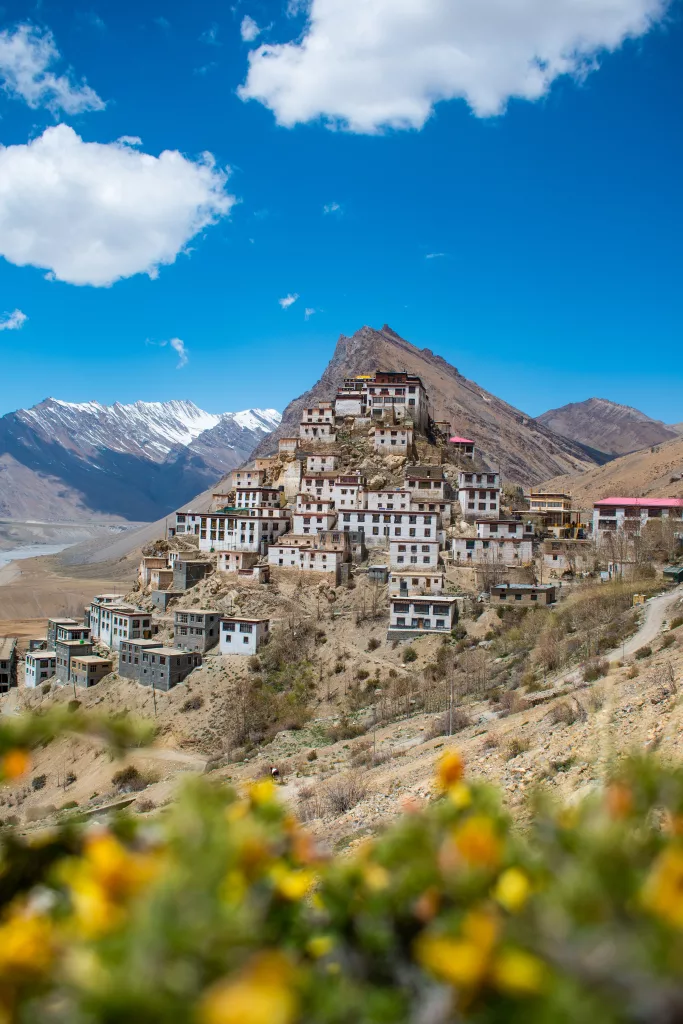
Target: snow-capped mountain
<point>76,460</point>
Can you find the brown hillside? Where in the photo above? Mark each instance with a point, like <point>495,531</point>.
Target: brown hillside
<point>607,426</point>
<point>525,450</point>
<point>655,472</point>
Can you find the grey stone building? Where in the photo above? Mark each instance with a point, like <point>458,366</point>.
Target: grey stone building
<point>52,625</point>
<point>196,629</point>
<point>161,599</point>
<point>8,663</point>
<point>165,667</point>
<point>130,656</point>
<point>65,651</point>
<point>188,573</point>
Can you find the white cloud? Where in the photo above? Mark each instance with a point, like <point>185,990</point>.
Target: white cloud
<point>129,140</point>
<point>308,313</point>
<point>435,255</point>
<point>371,64</point>
<point>12,321</point>
<point>288,301</point>
<point>92,213</point>
<point>179,346</point>
<point>295,7</point>
<point>331,208</point>
<point>26,56</point>
<point>249,30</point>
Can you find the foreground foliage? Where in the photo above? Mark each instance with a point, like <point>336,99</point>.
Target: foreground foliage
<point>223,911</point>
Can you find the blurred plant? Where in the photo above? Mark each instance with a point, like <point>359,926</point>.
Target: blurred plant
<point>223,911</point>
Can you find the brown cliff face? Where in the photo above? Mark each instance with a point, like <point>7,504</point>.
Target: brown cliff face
<point>525,450</point>
<point>607,426</point>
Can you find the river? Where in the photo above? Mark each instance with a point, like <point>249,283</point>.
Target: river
<point>30,551</point>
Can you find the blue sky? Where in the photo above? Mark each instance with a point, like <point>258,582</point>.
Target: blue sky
<point>536,246</point>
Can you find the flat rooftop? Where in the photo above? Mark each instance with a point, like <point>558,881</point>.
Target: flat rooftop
<point>171,652</point>
<point>94,659</point>
<point>7,647</point>
<point>524,586</point>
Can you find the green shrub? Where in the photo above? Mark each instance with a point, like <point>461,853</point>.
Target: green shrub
<point>517,745</point>
<point>676,622</point>
<point>668,640</point>
<point>311,755</point>
<point>374,643</point>
<point>643,652</point>
<point>410,654</point>
<point>38,781</point>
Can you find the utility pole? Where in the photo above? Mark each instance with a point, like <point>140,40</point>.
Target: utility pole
<point>154,697</point>
<point>450,709</point>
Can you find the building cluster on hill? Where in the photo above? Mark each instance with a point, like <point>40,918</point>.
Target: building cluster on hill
<point>372,483</point>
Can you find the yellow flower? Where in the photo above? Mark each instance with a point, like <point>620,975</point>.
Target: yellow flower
<point>512,890</point>
<point>15,763</point>
<point>478,843</point>
<point>292,884</point>
<point>518,973</point>
<point>319,945</point>
<point>663,890</point>
<point>456,961</point>
<point>460,795</point>
<point>26,943</point>
<point>262,792</point>
<point>375,877</point>
<point>451,768</point>
<point>261,995</point>
<point>463,961</point>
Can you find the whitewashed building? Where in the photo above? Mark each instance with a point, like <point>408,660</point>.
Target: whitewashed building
<point>306,558</point>
<point>349,492</point>
<point>321,463</point>
<point>405,555</point>
<point>393,439</point>
<point>479,493</point>
<point>413,615</point>
<point>246,477</point>
<point>237,561</point>
<point>388,500</point>
<point>322,433</point>
<point>93,613</point>
<point>39,666</point>
<point>239,529</point>
<point>442,508</point>
<point>382,526</point>
<point>242,636</point>
<point>255,497</point>
<point>631,514</point>
<point>505,550</point>
<point>417,582</point>
<point>426,483</point>
<point>124,622</point>
<point>513,529</point>
<point>304,523</point>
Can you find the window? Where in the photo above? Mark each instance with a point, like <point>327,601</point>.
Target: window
<point>502,596</point>
<point>534,597</point>
<point>425,547</point>
<point>440,624</point>
<point>228,639</point>
<point>245,640</point>
<point>401,621</point>
<point>229,627</point>
<point>518,597</point>
<point>246,627</point>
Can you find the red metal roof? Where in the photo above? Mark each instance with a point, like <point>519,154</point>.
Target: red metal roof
<point>642,502</point>
<point>461,440</point>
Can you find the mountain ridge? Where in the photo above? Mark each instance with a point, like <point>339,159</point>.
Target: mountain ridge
<point>608,426</point>
<point>137,462</point>
<point>525,450</point>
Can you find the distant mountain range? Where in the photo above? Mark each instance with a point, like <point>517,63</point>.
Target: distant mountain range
<point>609,427</point>
<point>75,461</point>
